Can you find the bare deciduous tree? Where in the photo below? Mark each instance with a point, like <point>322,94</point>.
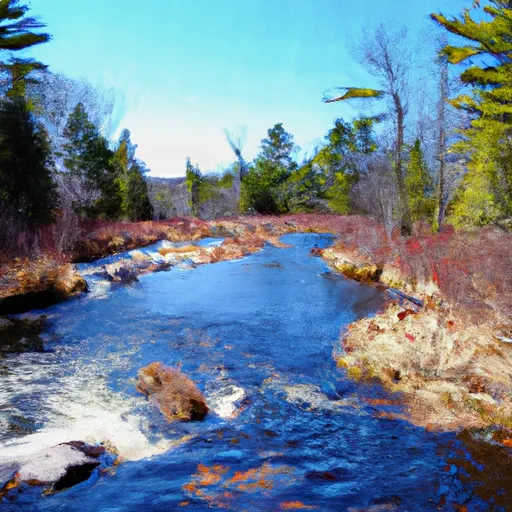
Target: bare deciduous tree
<point>385,55</point>
<point>56,95</point>
<point>377,192</point>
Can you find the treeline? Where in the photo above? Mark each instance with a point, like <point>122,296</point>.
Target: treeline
<point>434,144</point>
<point>437,146</point>
<point>57,164</point>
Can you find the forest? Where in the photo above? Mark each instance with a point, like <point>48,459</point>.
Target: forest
<point>441,157</point>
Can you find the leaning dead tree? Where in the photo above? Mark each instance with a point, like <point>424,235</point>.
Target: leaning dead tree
<point>236,143</point>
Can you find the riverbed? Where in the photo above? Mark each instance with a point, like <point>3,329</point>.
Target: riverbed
<point>265,329</point>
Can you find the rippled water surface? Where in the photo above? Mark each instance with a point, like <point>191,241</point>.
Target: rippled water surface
<point>305,436</point>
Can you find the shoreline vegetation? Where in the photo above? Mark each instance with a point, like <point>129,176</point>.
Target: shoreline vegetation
<point>448,361</point>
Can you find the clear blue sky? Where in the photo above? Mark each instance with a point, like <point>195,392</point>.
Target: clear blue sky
<point>188,69</point>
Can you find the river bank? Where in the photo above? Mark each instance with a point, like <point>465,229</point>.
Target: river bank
<point>449,360</point>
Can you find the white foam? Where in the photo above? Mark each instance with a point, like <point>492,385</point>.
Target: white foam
<point>226,401</point>
<point>94,426</point>
<point>50,465</point>
<point>82,409</point>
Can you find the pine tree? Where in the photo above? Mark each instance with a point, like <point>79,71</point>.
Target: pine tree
<point>124,159</point>
<point>135,203</point>
<point>86,154</point>
<point>26,185</point>
<point>16,29</point>
<point>488,140</point>
<point>262,187</point>
<point>337,161</point>
<point>138,205</point>
<point>418,183</point>
<point>18,32</point>
<point>193,178</point>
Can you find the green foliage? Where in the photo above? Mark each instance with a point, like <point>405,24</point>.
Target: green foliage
<point>474,204</point>
<point>338,159</point>
<point>17,29</point>
<point>138,205</point>
<point>338,193</point>
<point>419,186</point>
<point>357,92</point>
<point>488,140</point>
<point>19,71</point>
<point>193,178</point>
<point>17,33</point>
<point>263,187</point>
<point>133,190</point>
<point>87,155</point>
<point>26,185</point>
<point>205,188</point>
<point>304,188</point>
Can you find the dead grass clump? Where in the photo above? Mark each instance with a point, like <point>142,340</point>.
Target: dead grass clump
<point>445,368</point>
<point>178,250</point>
<point>175,394</point>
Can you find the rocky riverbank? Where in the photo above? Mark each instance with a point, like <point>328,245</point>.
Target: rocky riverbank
<point>449,359</point>
<point>27,285</point>
<point>452,370</point>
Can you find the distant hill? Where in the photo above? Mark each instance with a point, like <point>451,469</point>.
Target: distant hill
<point>172,182</point>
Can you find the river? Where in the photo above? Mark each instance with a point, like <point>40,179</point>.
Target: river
<point>265,327</point>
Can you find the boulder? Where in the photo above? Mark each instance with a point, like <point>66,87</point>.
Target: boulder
<point>175,394</point>
<point>57,468</point>
<point>125,276</point>
<point>54,286</point>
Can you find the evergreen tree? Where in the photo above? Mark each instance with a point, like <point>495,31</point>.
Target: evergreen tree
<point>26,185</point>
<point>418,183</point>
<point>86,154</point>
<point>18,32</point>
<point>17,29</point>
<point>488,140</point>
<point>263,186</point>
<point>193,179</point>
<point>124,159</point>
<point>338,159</point>
<point>135,203</point>
<point>138,205</point>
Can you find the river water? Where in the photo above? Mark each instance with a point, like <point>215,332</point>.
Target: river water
<point>262,329</point>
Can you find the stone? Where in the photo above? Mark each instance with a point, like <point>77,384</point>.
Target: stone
<point>56,468</point>
<point>175,394</point>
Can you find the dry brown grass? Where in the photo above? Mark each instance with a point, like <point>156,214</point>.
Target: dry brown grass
<point>103,239</point>
<point>452,373</point>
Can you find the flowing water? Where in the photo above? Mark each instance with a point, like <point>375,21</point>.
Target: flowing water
<point>257,335</point>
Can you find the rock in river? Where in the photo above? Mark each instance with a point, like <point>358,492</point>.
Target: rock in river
<point>175,394</point>
<point>57,468</point>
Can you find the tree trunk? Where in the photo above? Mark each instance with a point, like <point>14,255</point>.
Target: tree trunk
<point>443,95</point>
<point>405,225</point>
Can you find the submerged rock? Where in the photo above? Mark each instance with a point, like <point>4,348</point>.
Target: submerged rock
<point>125,275</point>
<point>57,468</point>
<point>21,335</point>
<point>175,394</point>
